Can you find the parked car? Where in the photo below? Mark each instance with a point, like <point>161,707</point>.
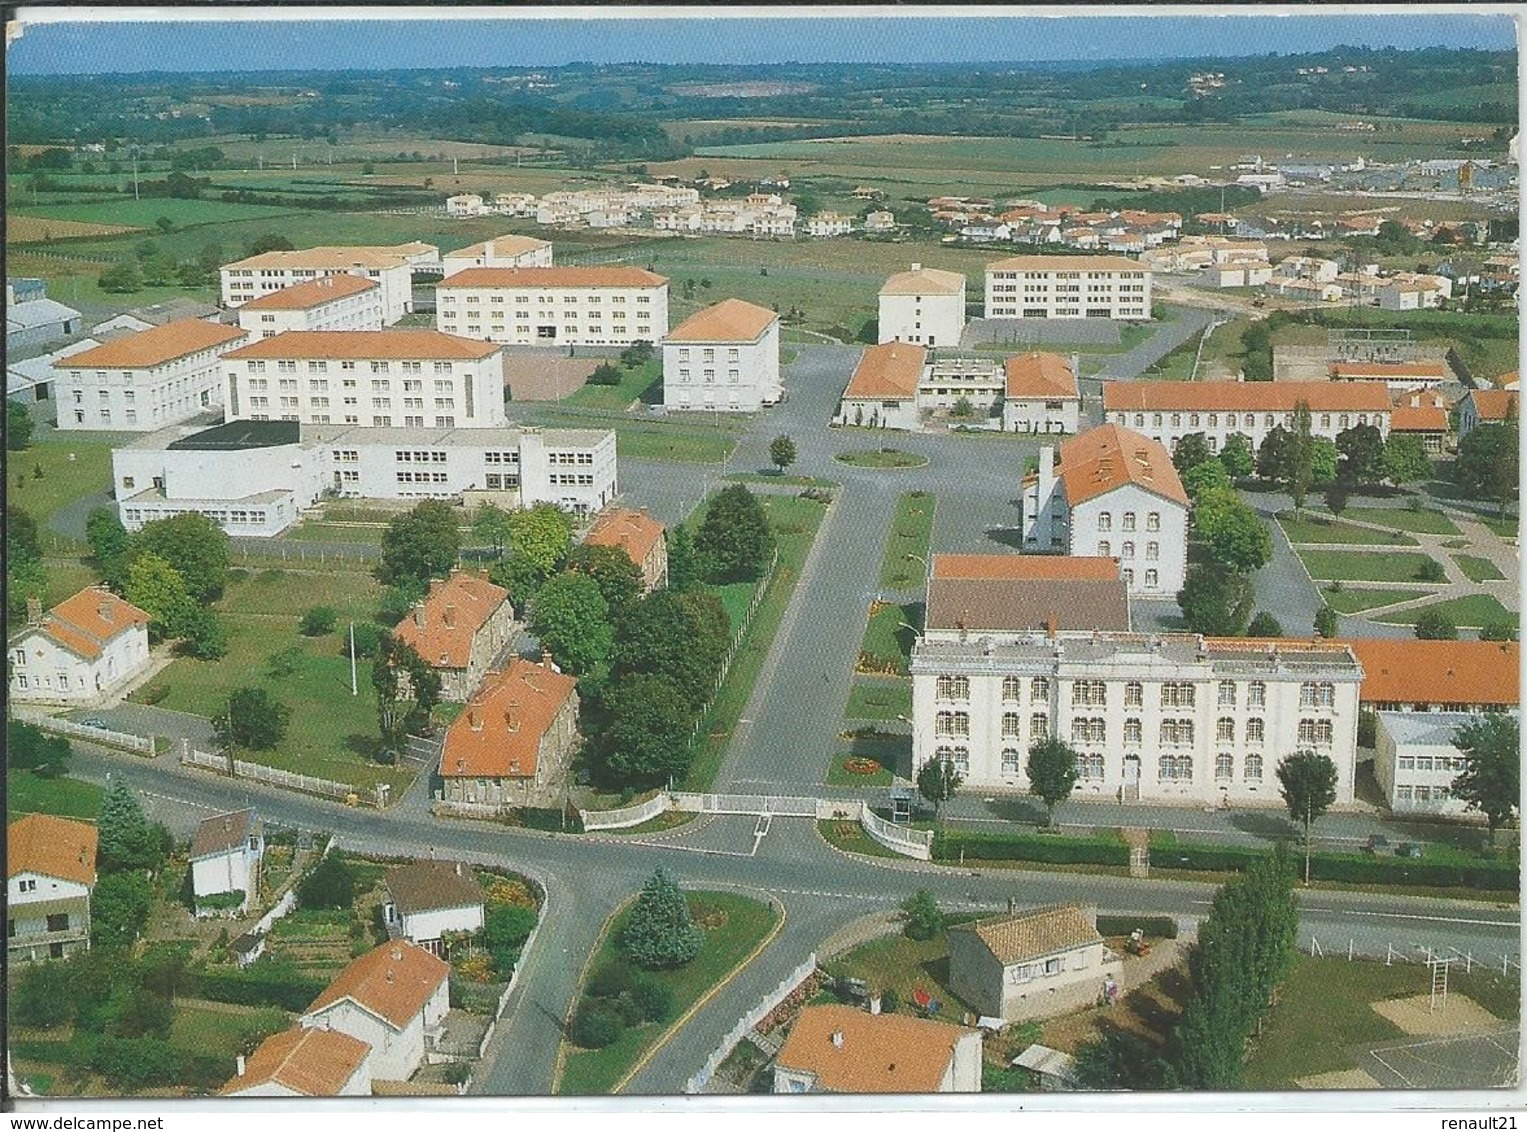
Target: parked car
<point>1409,849</point>
<point>94,721</point>
<point>1376,843</point>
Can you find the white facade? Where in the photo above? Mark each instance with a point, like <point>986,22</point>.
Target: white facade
<point>724,358</point>
<point>396,1053</point>
<point>1175,719</point>
<point>379,379</point>
<point>424,928</point>
<point>1415,760</point>
<point>880,221</point>
<point>827,224</point>
<point>391,268</point>
<point>554,306</point>
<point>235,870</point>
<point>1238,274</point>
<point>1168,411</point>
<point>1068,287</point>
<point>924,306</point>
<point>84,658</point>
<point>465,204</point>
<point>49,916</point>
<point>503,251</point>
<point>1041,414</point>
<point>352,309</point>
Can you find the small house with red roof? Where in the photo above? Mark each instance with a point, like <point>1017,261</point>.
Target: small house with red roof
<point>1040,394</point>
<point>304,1062</point>
<point>459,627</point>
<point>49,875</point>
<point>1485,407</point>
<point>392,998</point>
<point>842,1049</point>
<point>513,743</point>
<point>87,646</point>
<point>640,536</point>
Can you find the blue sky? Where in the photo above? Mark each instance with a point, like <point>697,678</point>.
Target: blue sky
<point>76,46</point>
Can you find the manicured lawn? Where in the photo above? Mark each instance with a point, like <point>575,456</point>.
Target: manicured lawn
<point>879,699</point>
<point>1506,528</point>
<point>25,793</point>
<point>838,773</point>
<point>1478,569</point>
<point>67,577</point>
<point>851,838</point>
<point>220,1031</point>
<point>64,479</point>
<point>887,646</point>
<point>634,383</point>
<point>795,522</point>
<point>906,546</point>
<point>1314,529</point>
<point>1352,600</point>
<point>1332,997</point>
<point>881,458</point>
<point>697,443</point>
<point>791,481</point>
<point>1358,566</point>
<point>747,923</point>
<point>899,964</point>
<point>1473,612</point>
<point>1404,519</point>
<point>734,598</point>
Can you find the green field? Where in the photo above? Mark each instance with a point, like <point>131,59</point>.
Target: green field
<point>635,384</point>
<point>73,465</point>
<point>1472,612</point>
<point>1359,566</point>
<point>1354,600</point>
<point>872,698</point>
<point>1404,519</point>
<point>1477,569</point>
<point>1506,528</point>
<point>25,793</point>
<point>904,564</point>
<point>747,923</point>
<point>1304,528</point>
<point>887,647</point>
<point>146,213</point>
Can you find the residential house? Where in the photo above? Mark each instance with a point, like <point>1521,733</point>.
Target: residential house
<point>465,204</point>
<point>1115,494</point>
<point>225,859</point>
<point>459,628</point>
<point>1303,290</point>
<point>426,900</point>
<point>391,268</point>
<point>1414,292</point>
<point>882,392</point>
<point>49,875</point>
<point>1396,377</point>
<point>1178,719</point>
<point>330,302</point>
<point>1426,423</point>
<point>554,306</point>
<point>1040,394</point>
<point>643,538</point>
<point>879,222</point>
<point>1068,287</point>
<point>827,224</point>
<point>841,1049</point>
<point>88,645</point>
<point>1403,674</point>
<point>1485,407</point>
<point>1031,964</point>
<point>924,306</point>
<point>1166,411</point>
<point>723,357</point>
<point>304,1062</point>
<point>1415,760</point>
<point>392,998</point>
<point>1241,274</point>
<point>413,378</point>
<point>501,251</point>
<point>513,743</point>
<point>254,478</point>
<point>146,380</point>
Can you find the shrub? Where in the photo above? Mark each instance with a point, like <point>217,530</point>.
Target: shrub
<point>660,932</point>
<point>947,846</point>
<point>652,999</point>
<point>457,1073</point>
<point>152,694</point>
<point>596,1025</point>
<point>889,1001</point>
<point>924,920</point>
<point>330,884</point>
<point>551,819</point>
<point>319,620</point>
<point>609,980</point>
<point>266,983</point>
<point>1157,927</point>
<point>1431,571</point>
<point>605,374</point>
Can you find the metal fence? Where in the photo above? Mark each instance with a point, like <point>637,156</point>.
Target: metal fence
<point>138,744</point>
<point>1351,949</point>
<point>287,779</point>
<point>786,985</point>
<point>908,842</point>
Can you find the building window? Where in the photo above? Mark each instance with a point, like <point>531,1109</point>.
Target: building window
<point>1224,730</point>
<point>1089,693</point>
<point>953,688</point>
<point>1252,770</point>
<point>1317,694</point>
<point>1127,521</point>
<point>1227,693</point>
<point>1090,766</point>
<point>951,723</point>
<point>1256,694</point>
<point>1224,766</point>
<point>1039,728</point>
<point>1176,732</point>
<point>1255,729</point>
<point>1105,549</point>
<point>1010,688</point>
<point>1105,521</point>
<point>1039,688</point>
<point>1178,694</point>
<point>1319,732</point>
<point>1010,725</point>
<point>1133,733</point>
<point>1010,761</point>
<point>1134,694</point>
<point>1127,551</point>
<point>1175,768</point>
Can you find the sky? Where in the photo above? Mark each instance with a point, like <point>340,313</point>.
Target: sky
<point>65,41</point>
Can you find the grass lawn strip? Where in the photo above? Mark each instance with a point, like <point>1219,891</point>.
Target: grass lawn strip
<point>1303,529</point>
<point>25,793</point>
<point>1404,519</point>
<point>849,836</point>
<point>634,384</point>
<point>1358,566</point>
<point>1478,569</point>
<point>881,458</point>
<point>1353,600</point>
<point>887,647</point>
<point>1472,612</point>
<point>896,963</point>
<point>872,698</point>
<point>748,923</point>
<point>1506,528</point>
<point>907,542</point>
<point>73,467</point>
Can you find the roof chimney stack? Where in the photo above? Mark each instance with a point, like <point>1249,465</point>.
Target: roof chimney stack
<point>104,607</point>
<point>512,716</point>
<point>837,1039</point>
<point>450,617</point>
<point>419,616</point>
<point>474,721</point>
<point>34,611</point>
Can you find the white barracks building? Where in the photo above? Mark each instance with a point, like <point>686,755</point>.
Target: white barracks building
<point>1166,411</point>
<point>331,302</point>
<point>501,251</point>
<point>391,268</point>
<point>1082,286</point>
<point>723,357</point>
<point>923,305</point>
<point>554,306</point>
<point>377,378</point>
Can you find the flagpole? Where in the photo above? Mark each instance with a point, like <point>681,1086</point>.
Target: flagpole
<point>353,692</point>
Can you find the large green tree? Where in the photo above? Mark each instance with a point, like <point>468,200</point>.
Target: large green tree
<point>1273,456</point>
<point>157,588</point>
<point>1215,601</point>
<point>1191,451</point>
<point>1301,455</point>
<point>660,932</point>
<point>1491,779</point>
<point>1237,456</point>
<point>421,544</point>
<point>193,544</point>
<point>18,425</point>
<point>571,618</point>
<point>407,688</point>
<point>119,908</point>
<point>1203,478</point>
<point>1307,781</point>
<point>1234,533</point>
<point>25,575</point>
<point>618,577</point>
<point>28,747</point>
<point>937,781</point>
<point>252,718</point>
<point>1053,772</point>
<point>680,635</point>
<point>1405,459</point>
<point>684,567</point>
<point>1362,453</point>
<point>125,839</point>
<point>110,546</point>
<point>735,540</point>
<point>328,884</point>
<point>1489,462</point>
<point>646,738</point>
<point>782,452</point>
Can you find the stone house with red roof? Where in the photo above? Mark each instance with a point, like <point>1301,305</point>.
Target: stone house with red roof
<point>640,536</point>
<point>1040,394</point>
<point>1484,407</point>
<point>86,647</point>
<point>458,629</point>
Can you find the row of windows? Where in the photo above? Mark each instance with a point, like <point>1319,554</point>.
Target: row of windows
<point>569,458</point>
<point>1430,762</point>
<point>1245,420</point>
<point>418,457</point>
<point>1092,766</point>
<point>568,479</point>
<point>1127,550</point>
<point>1127,521</point>
<point>447,299</point>
<point>422,477</point>
<point>1422,793</point>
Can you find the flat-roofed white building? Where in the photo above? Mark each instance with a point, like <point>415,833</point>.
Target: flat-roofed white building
<point>1415,760</point>
<point>1174,719</point>
<point>144,381</point>
<point>827,224</point>
<point>723,357</point>
<point>554,306</point>
<point>333,302</point>
<point>923,305</point>
<point>1040,394</point>
<point>1084,286</point>
<point>255,478</point>
<point>378,378</point>
<point>391,268</point>
<point>501,251</point>
<point>1166,411</point>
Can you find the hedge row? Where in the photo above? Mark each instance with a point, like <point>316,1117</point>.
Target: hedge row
<point>130,1064</point>
<point>259,986</point>
<point>549,818</point>
<point>1351,867</point>
<point>1157,927</point>
<point>1054,850</point>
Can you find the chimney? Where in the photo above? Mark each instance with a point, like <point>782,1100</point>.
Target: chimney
<point>545,657</point>
<point>397,956</point>
<point>450,617</point>
<point>239,1064</point>
<point>1052,623</point>
<point>512,716</point>
<point>917,267</point>
<point>474,721</point>
<point>837,1039</point>
<point>104,608</point>
<point>34,611</point>
<point>419,616</point>
<point>874,1004</point>
<point>389,971</point>
<point>960,625</point>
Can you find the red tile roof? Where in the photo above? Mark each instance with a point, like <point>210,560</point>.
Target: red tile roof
<point>451,614</point>
<point>635,532</point>
<point>502,246</point>
<point>310,1061</point>
<point>51,847</point>
<point>154,347</point>
<point>366,345</point>
<point>499,734</point>
<point>1040,375</point>
<point>888,372</point>
<point>924,281</point>
<point>393,982</point>
<point>1402,670</point>
<point>1024,567</point>
<point>552,277</point>
<point>1237,396</point>
<point>731,320</point>
<point>1389,371</point>
<point>1110,456</point>
<point>1489,404</point>
<point>313,293</point>
<point>88,621</point>
<point>873,1053</point>
<point>1406,419</point>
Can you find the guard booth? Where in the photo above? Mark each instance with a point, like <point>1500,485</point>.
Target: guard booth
<point>901,804</point>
